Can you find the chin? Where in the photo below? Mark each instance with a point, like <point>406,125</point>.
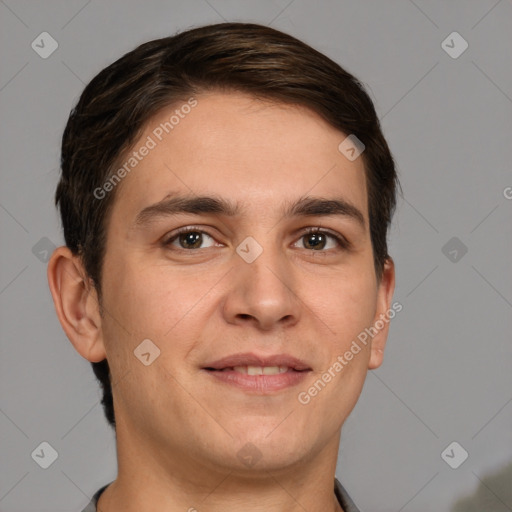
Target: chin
<point>271,450</point>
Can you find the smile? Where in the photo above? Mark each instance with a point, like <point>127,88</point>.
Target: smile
<point>260,375</point>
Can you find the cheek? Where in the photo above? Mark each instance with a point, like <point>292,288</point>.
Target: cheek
<point>348,306</point>
<point>348,310</point>
<point>152,301</point>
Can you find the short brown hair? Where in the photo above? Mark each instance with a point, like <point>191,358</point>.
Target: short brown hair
<point>117,104</point>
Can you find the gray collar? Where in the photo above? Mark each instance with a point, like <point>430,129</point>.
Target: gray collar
<point>345,501</point>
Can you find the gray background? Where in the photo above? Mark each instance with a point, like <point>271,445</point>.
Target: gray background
<point>446,375</point>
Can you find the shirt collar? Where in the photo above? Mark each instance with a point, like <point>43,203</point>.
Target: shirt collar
<point>344,499</point>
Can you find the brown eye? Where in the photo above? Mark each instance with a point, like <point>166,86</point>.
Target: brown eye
<point>314,241</point>
<point>189,239</point>
<point>318,240</point>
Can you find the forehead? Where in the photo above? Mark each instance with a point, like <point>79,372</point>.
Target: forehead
<point>231,145</point>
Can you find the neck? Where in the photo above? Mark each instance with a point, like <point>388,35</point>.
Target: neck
<point>149,479</point>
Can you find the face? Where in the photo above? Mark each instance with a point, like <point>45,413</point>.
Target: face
<point>248,287</point>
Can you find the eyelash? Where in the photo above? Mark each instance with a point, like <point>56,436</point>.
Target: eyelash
<point>342,242</point>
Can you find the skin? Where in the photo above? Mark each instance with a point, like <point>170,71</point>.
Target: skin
<point>178,429</point>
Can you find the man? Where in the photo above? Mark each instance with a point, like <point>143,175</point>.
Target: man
<point>225,196</point>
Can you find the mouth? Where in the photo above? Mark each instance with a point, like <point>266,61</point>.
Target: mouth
<point>261,375</point>
<point>255,370</point>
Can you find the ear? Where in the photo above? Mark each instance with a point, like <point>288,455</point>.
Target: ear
<point>76,303</point>
<point>382,316</point>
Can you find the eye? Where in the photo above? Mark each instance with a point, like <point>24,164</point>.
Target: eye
<point>188,238</point>
<point>316,239</point>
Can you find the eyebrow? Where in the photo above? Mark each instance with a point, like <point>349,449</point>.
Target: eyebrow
<point>174,204</point>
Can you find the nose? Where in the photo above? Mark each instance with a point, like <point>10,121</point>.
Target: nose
<point>262,293</point>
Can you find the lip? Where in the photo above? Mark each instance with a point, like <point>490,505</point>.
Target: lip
<point>251,359</point>
<point>222,370</point>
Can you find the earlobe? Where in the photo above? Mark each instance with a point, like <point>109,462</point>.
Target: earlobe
<point>76,304</point>
<point>382,318</point>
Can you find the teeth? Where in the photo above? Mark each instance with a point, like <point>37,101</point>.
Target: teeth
<point>259,370</point>
<point>255,370</point>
